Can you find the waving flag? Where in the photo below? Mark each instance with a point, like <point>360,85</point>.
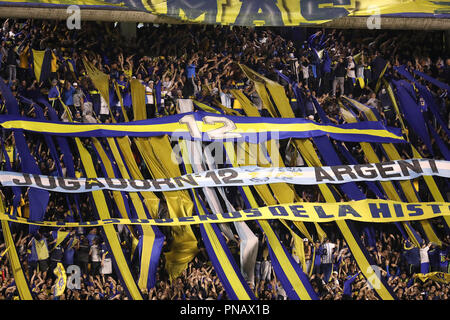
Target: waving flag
<point>61,280</point>
<point>42,64</point>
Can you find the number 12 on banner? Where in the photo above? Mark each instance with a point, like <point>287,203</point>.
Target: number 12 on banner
<point>219,133</point>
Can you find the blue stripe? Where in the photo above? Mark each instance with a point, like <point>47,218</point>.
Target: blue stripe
<point>63,145</point>
<point>284,280</point>
<point>287,286</point>
<point>211,254</point>
<point>217,266</point>
<point>154,258</point>
<point>216,263</point>
<point>38,198</point>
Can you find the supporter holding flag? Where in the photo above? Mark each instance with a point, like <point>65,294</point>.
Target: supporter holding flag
<point>424,258</point>
<point>412,257</point>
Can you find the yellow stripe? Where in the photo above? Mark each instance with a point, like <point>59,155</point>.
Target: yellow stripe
<point>148,239</point>
<point>205,107</point>
<point>372,157</point>
<point>148,233</point>
<point>110,173</point>
<point>377,87</point>
<point>363,264</point>
<point>138,99</point>
<point>275,244</point>
<point>442,277</point>
<point>251,111</point>
<point>313,260</point>
<point>110,231</point>
<point>4,252</point>
<point>411,195</point>
<point>360,258</point>
<point>19,276</point>
<point>38,59</point>
<point>116,87</point>
<point>394,102</point>
<point>299,247</point>
<point>243,128</point>
<point>184,245</point>
<point>288,269</point>
<point>61,235</point>
<point>100,80</point>
<point>307,150</point>
<point>150,199</point>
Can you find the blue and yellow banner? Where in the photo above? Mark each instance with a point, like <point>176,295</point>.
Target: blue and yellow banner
<point>373,211</point>
<point>441,277</point>
<point>205,126</point>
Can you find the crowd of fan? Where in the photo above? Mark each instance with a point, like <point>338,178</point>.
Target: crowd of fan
<point>332,270</point>
<point>202,62</point>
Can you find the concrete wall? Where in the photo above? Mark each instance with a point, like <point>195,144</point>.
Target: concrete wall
<point>128,29</point>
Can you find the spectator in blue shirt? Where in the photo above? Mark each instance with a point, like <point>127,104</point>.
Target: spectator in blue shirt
<point>67,95</point>
<point>190,68</point>
<point>412,257</point>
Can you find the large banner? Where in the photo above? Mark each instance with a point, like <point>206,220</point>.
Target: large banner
<point>240,176</point>
<point>206,126</point>
<point>259,12</point>
<point>378,211</point>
